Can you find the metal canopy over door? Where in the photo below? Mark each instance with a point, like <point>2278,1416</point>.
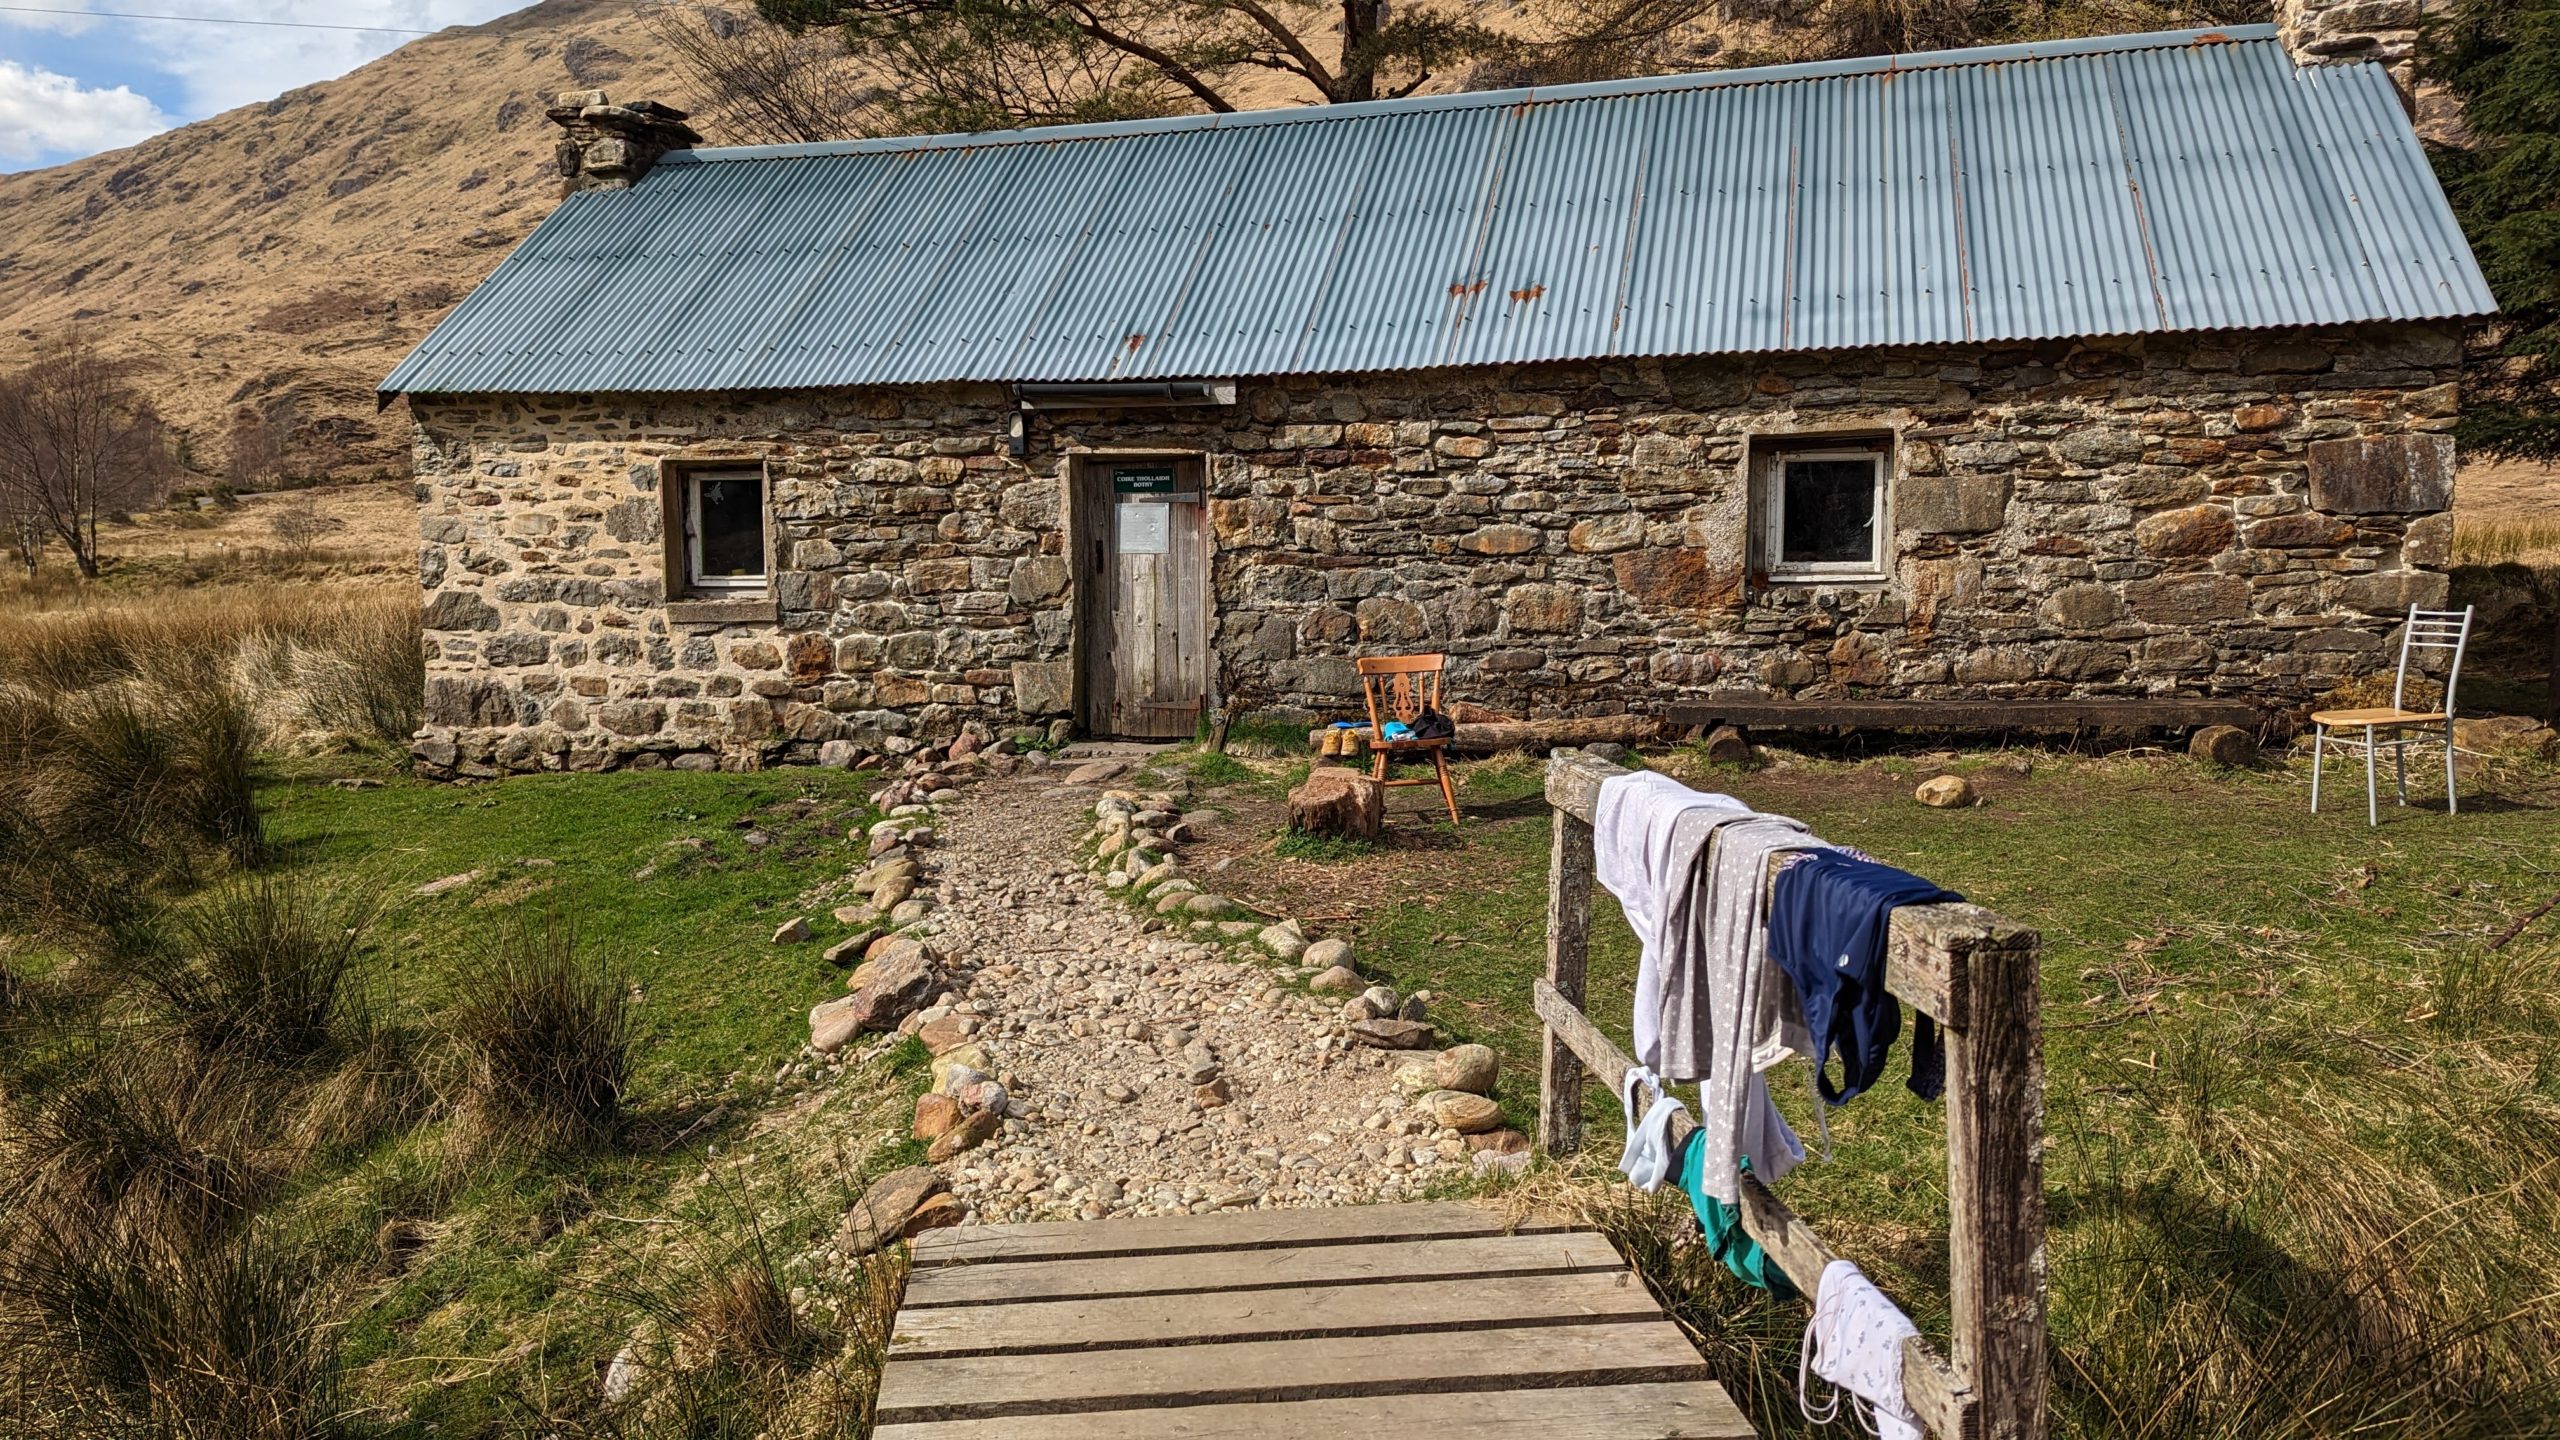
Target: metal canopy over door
<point>1142,577</point>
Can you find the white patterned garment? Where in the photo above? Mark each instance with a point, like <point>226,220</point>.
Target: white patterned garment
<point>1855,1341</point>
<point>1727,1013</point>
<point>1646,1160</point>
<point>1643,854</point>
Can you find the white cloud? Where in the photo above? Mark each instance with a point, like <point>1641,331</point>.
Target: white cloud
<point>217,67</point>
<point>44,114</point>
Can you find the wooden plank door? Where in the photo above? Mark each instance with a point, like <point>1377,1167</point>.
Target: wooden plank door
<point>1144,588</point>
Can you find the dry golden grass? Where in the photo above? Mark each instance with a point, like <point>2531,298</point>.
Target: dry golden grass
<point>316,666</point>
<point>2506,540</point>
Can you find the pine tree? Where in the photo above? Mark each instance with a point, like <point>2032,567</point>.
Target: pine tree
<point>2501,59</point>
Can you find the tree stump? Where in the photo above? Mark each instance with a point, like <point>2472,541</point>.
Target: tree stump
<point>1338,802</point>
<point>1727,745</point>
<point>2225,745</point>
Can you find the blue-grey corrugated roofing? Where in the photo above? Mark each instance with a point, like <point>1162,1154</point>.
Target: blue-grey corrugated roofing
<point>2184,181</point>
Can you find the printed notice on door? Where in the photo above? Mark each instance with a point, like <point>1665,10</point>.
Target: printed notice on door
<point>1146,528</point>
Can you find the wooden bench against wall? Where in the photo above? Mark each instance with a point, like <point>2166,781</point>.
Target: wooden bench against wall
<point>1975,717</point>
<point>1973,972</point>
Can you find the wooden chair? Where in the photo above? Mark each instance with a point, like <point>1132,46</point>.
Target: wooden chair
<point>2425,630</point>
<point>1400,687</point>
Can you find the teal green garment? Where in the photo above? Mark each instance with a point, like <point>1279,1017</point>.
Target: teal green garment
<point>1726,1239</point>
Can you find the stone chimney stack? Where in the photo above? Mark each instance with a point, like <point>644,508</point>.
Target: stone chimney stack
<point>2327,32</point>
<point>609,146</point>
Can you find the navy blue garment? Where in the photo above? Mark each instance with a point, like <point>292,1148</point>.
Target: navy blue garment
<point>1827,922</point>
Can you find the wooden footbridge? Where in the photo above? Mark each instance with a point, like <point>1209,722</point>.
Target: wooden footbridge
<point>1440,1317</point>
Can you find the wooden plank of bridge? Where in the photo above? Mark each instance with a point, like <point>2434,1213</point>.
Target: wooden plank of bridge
<point>1288,1323</point>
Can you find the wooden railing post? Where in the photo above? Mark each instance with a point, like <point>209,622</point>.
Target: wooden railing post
<point>1560,1074</point>
<point>1995,1183</point>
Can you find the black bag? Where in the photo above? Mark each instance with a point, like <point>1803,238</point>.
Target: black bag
<point>1432,725</point>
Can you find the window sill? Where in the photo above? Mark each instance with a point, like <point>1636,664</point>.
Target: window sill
<point>1868,580</point>
<point>734,610</point>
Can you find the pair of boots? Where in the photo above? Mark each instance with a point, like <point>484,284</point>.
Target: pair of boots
<point>1341,745</point>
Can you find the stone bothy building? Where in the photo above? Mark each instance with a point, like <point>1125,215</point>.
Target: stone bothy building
<point>2120,367</point>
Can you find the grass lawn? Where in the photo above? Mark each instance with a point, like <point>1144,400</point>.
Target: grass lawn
<point>2302,1117</point>
<point>677,877</point>
<point>483,1288</point>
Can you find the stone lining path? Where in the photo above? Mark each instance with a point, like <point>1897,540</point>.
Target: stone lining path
<point>1111,1041</point>
<point>1096,1019</point>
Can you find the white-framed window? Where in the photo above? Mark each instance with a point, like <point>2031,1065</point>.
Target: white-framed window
<point>724,531</point>
<point>1822,510</point>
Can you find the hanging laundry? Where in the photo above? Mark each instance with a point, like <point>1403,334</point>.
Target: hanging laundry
<point>1721,1222</point>
<point>1723,1019</point>
<point>1827,926</point>
<point>1855,1341</point>
<point>1647,1160</point>
<point>1649,832</point>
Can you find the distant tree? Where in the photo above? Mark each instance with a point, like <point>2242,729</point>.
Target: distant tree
<point>261,445</point>
<point>25,531</point>
<point>300,525</point>
<point>78,442</point>
<point>2501,59</point>
<point>1840,29</point>
<point>758,84</point>
<point>980,64</point>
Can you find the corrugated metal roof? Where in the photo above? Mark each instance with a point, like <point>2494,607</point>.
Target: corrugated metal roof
<point>2184,181</point>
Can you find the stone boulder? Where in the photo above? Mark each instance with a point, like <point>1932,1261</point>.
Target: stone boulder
<point>935,1213</point>
<point>1469,1068</point>
<point>935,1115</point>
<point>1944,792</point>
<point>832,1024</point>
<point>1467,1114</point>
<point>1395,1034</point>
<point>881,1215</point>
<point>1338,802</point>
<point>1340,980</point>
<point>898,984</point>
<point>973,1129</point>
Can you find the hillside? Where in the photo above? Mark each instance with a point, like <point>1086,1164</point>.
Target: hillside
<point>299,247</point>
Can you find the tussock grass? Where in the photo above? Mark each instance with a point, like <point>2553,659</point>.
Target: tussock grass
<point>719,1347</point>
<point>261,967</point>
<point>131,779</point>
<point>544,1034</point>
<point>229,1340</point>
<point>138,1146</point>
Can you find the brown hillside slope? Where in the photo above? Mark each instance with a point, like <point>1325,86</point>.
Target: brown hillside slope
<point>300,247</point>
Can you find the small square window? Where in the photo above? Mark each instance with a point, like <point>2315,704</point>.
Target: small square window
<point>724,530</point>
<point>1822,512</point>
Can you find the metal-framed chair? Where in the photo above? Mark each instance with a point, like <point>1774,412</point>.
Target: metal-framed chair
<point>2424,630</point>
<point>1401,687</point>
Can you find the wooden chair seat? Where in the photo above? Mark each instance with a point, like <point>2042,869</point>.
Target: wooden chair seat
<point>1401,687</point>
<point>2379,717</point>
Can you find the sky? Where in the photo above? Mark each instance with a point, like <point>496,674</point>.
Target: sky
<point>73,85</point>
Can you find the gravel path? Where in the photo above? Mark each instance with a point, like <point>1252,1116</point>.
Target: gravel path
<point>1093,1017</point>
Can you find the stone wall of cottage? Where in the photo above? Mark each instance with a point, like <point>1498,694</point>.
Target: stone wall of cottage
<point>2232,515</point>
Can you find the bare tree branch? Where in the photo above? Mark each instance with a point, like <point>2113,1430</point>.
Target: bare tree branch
<point>77,443</point>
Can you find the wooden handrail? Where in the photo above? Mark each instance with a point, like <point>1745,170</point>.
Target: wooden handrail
<point>1976,974</point>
